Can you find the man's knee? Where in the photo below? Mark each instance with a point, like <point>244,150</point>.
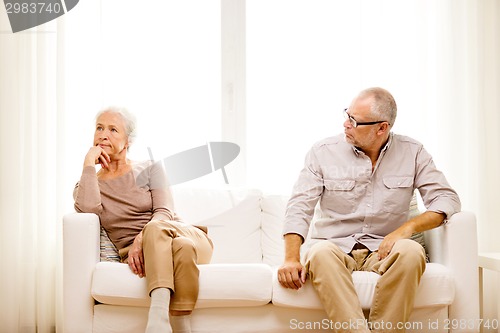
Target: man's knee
<point>324,251</point>
<point>411,255</point>
<point>410,249</point>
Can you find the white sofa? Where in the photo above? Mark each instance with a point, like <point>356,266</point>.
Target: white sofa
<point>239,291</point>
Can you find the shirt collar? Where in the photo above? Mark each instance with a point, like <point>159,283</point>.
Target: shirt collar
<point>358,151</point>
<point>388,144</point>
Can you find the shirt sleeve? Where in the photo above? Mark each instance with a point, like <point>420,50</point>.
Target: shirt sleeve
<point>437,194</point>
<point>163,202</point>
<point>305,195</point>
<point>86,192</point>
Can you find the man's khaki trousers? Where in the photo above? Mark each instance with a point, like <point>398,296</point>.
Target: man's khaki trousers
<point>330,270</point>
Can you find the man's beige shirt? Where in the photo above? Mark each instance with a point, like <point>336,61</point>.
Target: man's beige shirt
<point>357,205</point>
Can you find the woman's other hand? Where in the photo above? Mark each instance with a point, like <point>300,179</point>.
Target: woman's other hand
<point>97,155</point>
<point>135,258</point>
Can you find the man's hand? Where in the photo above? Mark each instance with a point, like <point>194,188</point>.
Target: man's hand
<point>135,258</point>
<point>425,221</point>
<point>389,241</point>
<point>292,275</point>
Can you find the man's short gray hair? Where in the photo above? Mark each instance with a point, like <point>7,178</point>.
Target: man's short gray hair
<point>384,106</point>
<point>128,118</point>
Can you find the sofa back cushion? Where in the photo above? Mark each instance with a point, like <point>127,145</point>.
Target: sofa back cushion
<point>273,215</point>
<point>233,218</point>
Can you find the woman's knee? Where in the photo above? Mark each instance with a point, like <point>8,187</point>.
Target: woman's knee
<point>183,244</point>
<point>155,227</point>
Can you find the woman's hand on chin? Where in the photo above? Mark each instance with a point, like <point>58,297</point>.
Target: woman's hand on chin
<point>97,155</point>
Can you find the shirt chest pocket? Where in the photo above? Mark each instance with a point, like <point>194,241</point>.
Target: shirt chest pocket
<point>397,193</point>
<point>340,195</point>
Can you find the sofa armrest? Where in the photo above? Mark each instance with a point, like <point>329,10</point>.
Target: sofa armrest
<point>80,255</point>
<point>454,245</point>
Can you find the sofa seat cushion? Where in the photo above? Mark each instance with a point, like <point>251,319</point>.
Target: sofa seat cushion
<point>221,285</point>
<point>437,287</point>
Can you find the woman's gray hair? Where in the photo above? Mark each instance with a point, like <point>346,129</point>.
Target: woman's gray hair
<point>128,118</point>
<point>384,106</point>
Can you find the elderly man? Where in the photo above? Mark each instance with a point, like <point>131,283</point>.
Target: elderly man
<point>364,181</point>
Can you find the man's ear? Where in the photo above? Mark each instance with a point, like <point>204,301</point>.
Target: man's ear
<point>383,128</point>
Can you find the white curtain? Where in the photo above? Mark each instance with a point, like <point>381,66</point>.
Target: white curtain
<point>31,169</point>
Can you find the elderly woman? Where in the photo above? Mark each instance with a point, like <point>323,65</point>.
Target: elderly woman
<point>135,208</point>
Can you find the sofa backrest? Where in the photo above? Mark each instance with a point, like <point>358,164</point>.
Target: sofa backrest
<point>244,224</point>
<point>233,217</point>
<point>273,215</point>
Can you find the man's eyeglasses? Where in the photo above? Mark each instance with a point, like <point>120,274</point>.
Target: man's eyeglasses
<point>356,123</point>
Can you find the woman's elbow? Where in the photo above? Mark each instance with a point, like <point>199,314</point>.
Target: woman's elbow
<point>83,208</point>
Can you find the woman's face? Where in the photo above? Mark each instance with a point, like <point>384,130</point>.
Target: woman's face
<point>110,134</point>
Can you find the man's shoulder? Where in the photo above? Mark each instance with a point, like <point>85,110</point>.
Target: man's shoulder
<point>403,139</point>
<point>330,141</point>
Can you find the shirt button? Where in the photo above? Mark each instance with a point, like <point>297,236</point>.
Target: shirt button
<point>366,225</point>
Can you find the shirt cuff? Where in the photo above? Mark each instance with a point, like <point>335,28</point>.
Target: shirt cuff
<point>446,208</point>
<point>293,228</point>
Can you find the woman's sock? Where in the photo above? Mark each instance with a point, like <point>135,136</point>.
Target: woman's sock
<point>158,319</point>
<point>181,324</point>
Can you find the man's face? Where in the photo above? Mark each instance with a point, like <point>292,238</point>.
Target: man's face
<point>363,136</point>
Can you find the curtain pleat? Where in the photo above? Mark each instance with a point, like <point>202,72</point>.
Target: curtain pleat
<point>31,163</point>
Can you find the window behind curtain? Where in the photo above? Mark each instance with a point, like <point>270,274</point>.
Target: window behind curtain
<point>306,60</point>
<point>159,59</point>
